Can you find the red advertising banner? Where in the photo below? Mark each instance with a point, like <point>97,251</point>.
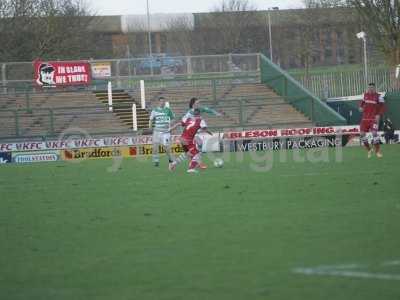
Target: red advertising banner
<point>291,132</point>
<point>61,73</point>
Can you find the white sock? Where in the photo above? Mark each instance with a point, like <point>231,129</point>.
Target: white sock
<point>181,158</point>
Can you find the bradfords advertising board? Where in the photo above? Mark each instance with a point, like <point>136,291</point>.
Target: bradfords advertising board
<point>148,149</point>
<point>31,157</point>
<point>110,152</point>
<point>94,153</point>
<point>60,73</point>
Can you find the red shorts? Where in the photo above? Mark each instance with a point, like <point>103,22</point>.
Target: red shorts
<point>190,147</point>
<point>368,125</point>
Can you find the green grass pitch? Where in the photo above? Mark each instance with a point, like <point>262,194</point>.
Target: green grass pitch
<point>77,231</point>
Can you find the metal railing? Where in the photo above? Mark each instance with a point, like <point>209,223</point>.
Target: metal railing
<point>48,122</point>
<point>348,83</point>
<point>20,74</point>
<point>215,85</point>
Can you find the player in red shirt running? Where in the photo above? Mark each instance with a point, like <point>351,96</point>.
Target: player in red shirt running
<point>372,107</point>
<point>191,126</point>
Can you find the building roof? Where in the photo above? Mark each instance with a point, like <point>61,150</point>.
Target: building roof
<point>286,17</point>
<point>158,22</point>
<point>164,22</point>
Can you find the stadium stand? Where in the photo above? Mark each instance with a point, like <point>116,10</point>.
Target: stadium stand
<point>50,113</point>
<point>242,105</point>
<point>122,108</point>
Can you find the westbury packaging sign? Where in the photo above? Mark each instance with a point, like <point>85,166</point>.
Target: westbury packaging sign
<point>61,73</point>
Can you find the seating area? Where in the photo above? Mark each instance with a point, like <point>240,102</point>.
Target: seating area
<point>51,113</point>
<point>243,105</point>
<point>122,108</point>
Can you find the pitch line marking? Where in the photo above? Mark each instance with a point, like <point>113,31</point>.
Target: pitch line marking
<point>348,271</point>
<point>391,263</point>
<point>343,273</point>
<point>327,174</point>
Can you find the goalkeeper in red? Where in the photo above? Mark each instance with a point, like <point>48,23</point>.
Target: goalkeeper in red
<point>372,107</point>
<point>191,126</point>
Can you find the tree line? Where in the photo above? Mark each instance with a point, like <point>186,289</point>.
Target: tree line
<point>49,29</point>
<point>63,29</point>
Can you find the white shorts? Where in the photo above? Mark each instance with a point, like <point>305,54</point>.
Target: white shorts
<point>162,138</point>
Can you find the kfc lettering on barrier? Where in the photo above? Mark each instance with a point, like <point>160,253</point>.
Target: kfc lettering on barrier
<point>79,143</point>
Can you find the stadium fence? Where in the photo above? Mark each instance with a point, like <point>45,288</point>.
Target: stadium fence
<point>348,83</point>
<point>126,71</point>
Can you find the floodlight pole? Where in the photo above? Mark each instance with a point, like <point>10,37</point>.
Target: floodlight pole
<point>362,35</point>
<point>270,34</point>
<point>149,37</point>
<point>365,61</point>
<point>270,30</point>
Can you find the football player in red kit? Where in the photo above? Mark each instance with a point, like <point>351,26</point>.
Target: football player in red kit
<point>372,107</point>
<point>191,126</point>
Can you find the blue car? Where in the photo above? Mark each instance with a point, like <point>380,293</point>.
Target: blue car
<point>160,62</point>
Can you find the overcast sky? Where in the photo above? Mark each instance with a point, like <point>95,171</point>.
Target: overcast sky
<point>126,7</point>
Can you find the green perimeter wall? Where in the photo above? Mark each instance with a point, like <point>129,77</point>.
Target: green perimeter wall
<point>299,97</point>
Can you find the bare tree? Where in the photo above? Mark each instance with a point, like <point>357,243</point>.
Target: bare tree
<point>228,27</point>
<point>180,36</point>
<point>45,28</point>
<point>137,35</point>
<point>314,32</point>
<point>380,18</point>
<point>324,3</point>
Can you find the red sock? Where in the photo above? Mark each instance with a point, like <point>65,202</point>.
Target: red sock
<point>193,164</point>
<point>377,147</point>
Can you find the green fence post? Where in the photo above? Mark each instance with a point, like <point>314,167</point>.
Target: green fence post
<point>51,115</point>
<point>214,90</point>
<point>16,123</point>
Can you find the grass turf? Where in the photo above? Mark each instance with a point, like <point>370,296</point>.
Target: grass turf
<point>78,231</point>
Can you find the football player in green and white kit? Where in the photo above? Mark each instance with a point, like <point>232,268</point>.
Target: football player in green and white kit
<point>195,103</point>
<point>160,120</point>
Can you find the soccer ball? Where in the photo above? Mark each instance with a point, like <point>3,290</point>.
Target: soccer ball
<point>218,163</point>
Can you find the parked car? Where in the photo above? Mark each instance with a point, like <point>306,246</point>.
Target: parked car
<point>161,64</point>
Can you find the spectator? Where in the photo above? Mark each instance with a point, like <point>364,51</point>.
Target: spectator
<point>388,131</point>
